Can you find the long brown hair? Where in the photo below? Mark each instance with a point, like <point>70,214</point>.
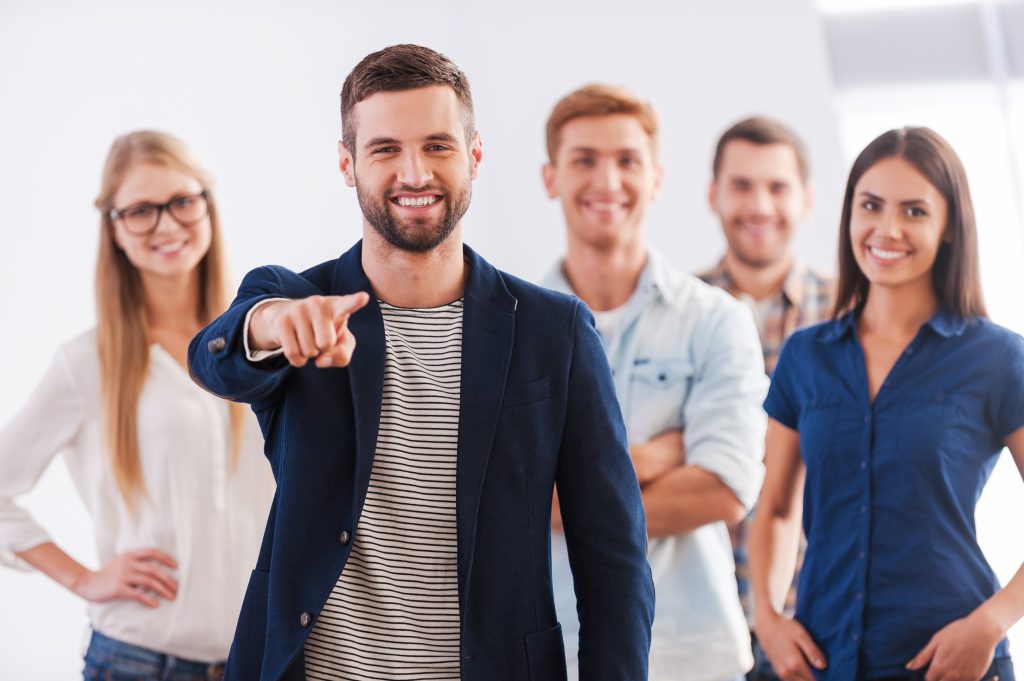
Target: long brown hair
<point>120,305</point>
<point>955,273</point>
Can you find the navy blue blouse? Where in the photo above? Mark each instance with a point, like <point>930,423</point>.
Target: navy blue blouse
<point>892,552</point>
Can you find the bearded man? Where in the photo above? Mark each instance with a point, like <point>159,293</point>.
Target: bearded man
<point>410,534</point>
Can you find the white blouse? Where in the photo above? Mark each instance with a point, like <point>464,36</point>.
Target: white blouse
<point>207,516</point>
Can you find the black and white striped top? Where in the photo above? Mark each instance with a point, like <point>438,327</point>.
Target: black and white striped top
<point>394,612</point>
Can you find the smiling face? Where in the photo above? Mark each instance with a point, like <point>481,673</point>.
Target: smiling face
<point>605,174</point>
<point>172,250</point>
<point>413,167</point>
<point>760,198</point>
<point>897,224</point>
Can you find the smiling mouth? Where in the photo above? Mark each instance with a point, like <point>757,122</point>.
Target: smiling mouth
<point>416,201</point>
<point>170,248</point>
<point>886,254</point>
<point>604,206</point>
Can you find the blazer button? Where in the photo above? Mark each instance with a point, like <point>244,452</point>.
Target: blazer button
<point>304,619</point>
<point>217,344</point>
<point>344,537</point>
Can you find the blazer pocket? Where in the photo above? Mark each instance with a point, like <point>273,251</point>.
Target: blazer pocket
<point>545,655</point>
<point>518,395</point>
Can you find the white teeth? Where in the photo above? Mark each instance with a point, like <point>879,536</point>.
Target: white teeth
<point>416,201</point>
<point>603,206</point>
<point>883,254</point>
<point>170,248</point>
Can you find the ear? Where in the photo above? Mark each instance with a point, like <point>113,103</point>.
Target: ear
<point>346,163</point>
<point>713,196</point>
<point>547,174</point>
<point>115,234</point>
<point>476,153</point>
<point>659,177</point>
<point>809,197</point>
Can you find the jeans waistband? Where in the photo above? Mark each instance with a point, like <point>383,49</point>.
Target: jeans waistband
<point>105,649</point>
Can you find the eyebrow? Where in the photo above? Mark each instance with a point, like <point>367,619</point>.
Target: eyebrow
<point>909,202</point>
<point>435,137</point>
<point>592,150</point>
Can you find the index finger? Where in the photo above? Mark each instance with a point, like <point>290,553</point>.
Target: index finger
<point>342,306</point>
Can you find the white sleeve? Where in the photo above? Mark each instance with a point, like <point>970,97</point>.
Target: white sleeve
<point>725,422</point>
<point>47,423</point>
<point>257,355</point>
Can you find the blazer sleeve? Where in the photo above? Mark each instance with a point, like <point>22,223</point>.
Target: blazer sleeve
<point>603,518</point>
<point>216,356</point>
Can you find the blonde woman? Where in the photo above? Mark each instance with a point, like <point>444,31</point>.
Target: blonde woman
<point>174,478</point>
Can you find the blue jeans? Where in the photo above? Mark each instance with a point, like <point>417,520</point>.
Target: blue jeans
<point>110,660</point>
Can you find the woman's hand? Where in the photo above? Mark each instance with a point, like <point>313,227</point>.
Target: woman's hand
<point>789,647</point>
<point>960,651</point>
<point>135,575</point>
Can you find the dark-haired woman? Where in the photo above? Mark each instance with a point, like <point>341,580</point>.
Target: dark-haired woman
<point>885,425</point>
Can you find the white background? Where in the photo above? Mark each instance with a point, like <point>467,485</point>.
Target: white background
<point>254,88</point>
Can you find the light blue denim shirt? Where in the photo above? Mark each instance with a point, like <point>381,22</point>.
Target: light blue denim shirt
<point>686,356</point>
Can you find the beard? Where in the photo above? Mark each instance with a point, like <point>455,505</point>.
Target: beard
<point>416,235</point>
<point>757,256</point>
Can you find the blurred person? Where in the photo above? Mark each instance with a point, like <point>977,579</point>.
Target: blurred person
<point>688,376</point>
<point>173,478</point>
<point>411,529</point>
<point>761,194</point>
<point>885,424</point>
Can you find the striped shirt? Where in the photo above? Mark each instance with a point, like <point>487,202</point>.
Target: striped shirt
<point>394,612</point>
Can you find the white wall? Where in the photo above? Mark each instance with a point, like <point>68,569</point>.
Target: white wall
<point>254,87</point>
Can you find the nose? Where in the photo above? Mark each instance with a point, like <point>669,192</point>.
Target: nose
<point>414,170</point>
<point>888,225</point>
<point>761,202</point>
<point>166,221</point>
<point>609,177</point>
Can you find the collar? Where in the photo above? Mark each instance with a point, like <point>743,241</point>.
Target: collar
<point>793,286</point>
<point>484,283</point>
<point>944,322</point>
<point>655,278</point>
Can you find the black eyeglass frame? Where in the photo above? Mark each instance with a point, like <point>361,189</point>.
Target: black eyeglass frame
<point>118,213</point>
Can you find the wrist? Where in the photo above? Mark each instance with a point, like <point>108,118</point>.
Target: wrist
<point>77,580</point>
<point>765,615</point>
<point>987,619</point>
<point>261,336</point>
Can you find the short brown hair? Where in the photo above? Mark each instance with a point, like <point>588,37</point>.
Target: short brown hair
<point>599,100</point>
<point>955,274</point>
<point>762,130</point>
<point>396,68</point>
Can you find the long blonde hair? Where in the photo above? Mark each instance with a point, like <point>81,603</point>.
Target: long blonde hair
<point>120,305</point>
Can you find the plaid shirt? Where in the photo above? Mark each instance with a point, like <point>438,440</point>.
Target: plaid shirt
<point>806,298</point>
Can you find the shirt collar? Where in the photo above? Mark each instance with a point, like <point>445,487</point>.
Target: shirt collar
<point>792,286</point>
<point>947,323</point>
<point>944,322</point>
<point>655,277</point>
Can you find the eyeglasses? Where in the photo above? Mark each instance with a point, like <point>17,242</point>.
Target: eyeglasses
<point>142,218</point>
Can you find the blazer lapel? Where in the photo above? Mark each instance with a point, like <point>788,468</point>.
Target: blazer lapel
<point>488,327</point>
<point>365,372</point>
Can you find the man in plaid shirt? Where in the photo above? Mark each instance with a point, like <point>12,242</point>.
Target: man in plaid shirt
<point>759,191</point>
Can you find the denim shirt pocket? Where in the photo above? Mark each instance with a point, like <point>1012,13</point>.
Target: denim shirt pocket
<point>659,390</point>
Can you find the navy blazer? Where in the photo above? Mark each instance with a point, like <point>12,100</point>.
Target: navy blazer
<point>537,407</point>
